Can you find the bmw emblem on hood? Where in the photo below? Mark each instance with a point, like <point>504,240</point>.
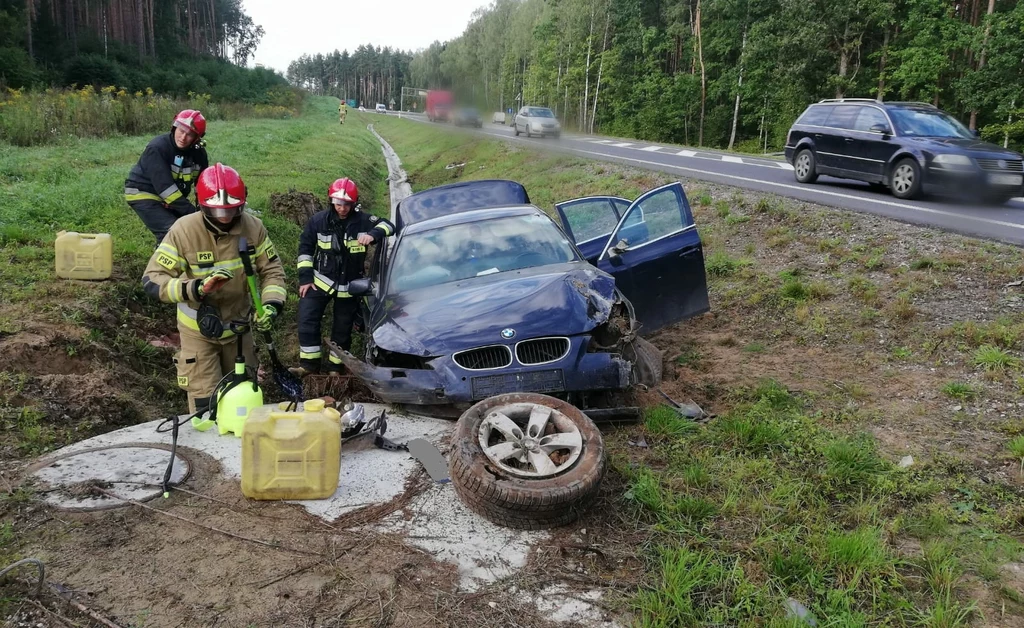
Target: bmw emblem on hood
<point>508,333</point>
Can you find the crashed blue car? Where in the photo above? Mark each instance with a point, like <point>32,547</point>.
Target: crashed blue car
<point>482,293</point>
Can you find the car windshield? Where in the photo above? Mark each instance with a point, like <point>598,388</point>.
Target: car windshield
<point>477,249</point>
<point>540,112</point>
<point>928,123</point>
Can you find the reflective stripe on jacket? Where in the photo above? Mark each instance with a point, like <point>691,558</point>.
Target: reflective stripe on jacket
<point>191,251</point>
<point>330,255</point>
<point>165,173</point>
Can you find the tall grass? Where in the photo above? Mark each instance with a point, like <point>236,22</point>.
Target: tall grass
<point>33,118</point>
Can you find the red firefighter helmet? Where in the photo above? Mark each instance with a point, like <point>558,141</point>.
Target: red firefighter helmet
<point>221,192</point>
<point>192,120</point>
<point>344,190</point>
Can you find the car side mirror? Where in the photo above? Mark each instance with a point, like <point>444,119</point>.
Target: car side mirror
<point>360,287</point>
<point>976,133</point>
<point>881,128</point>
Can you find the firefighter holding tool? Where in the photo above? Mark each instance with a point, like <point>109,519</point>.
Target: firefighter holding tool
<point>198,267</point>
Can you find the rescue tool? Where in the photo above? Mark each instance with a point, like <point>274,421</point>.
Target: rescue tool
<point>290,385</point>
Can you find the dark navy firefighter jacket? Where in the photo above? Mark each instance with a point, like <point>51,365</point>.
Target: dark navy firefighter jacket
<point>165,173</point>
<point>330,255</point>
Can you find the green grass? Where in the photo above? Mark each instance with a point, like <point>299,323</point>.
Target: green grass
<point>721,264</point>
<point>766,503</point>
<point>994,359</point>
<point>959,390</point>
<point>77,185</point>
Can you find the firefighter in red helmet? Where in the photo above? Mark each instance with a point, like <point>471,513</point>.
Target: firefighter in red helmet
<point>158,186</point>
<point>332,252</point>
<point>197,267</point>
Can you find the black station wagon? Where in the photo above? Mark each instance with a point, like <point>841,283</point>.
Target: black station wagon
<point>907,147</point>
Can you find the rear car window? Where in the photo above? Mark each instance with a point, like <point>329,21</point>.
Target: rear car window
<point>815,114</point>
<point>843,116</point>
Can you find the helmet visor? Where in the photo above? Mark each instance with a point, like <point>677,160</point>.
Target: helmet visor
<point>223,212</point>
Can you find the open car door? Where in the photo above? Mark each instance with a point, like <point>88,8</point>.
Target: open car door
<point>657,259</point>
<point>590,221</point>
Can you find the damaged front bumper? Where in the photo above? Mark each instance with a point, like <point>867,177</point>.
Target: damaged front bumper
<point>448,383</point>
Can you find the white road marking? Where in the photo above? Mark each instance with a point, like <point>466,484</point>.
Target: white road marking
<point>601,141</point>
<point>785,165</point>
<point>787,186</point>
<point>622,144</point>
<point>731,159</point>
<point>651,149</point>
<point>687,153</point>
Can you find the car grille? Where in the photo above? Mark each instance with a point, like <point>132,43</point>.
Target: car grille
<point>548,125</point>
<point>542,350</point>
<point>482,358</point>
<point>1008,165</point>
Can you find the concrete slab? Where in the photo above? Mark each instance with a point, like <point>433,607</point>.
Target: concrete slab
<point>368,475</point>
<point>442,525</point>
<point>130,472</point>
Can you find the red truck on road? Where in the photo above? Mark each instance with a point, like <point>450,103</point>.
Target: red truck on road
<point>439,106</point>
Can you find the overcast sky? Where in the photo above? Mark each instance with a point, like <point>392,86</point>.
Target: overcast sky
<point>297,27</point>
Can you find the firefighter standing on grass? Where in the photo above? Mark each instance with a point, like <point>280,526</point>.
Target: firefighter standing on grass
<point>342,110</point>
<point>158,186</point>
<point>197,266</point>
<point>332,252</point>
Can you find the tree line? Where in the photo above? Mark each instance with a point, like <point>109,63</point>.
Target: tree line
<point>735,73</point>
<point>369,74</point>
<point>173,46</point>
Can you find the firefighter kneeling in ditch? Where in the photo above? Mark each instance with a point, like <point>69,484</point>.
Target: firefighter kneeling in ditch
<point>198,267</point>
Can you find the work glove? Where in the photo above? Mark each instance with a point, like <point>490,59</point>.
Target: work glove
<point>214,281</point>
<point>265,321</point>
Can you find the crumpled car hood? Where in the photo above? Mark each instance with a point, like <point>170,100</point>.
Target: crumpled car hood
<point>561,300</point>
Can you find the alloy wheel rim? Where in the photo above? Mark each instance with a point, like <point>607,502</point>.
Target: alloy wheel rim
<point>549,444</point>
<point>803,165</point>
<point>903,179</point>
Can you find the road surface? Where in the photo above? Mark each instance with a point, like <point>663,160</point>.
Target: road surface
<point>765,174</point>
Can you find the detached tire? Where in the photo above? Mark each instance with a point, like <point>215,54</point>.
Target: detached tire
<point>498,458</point>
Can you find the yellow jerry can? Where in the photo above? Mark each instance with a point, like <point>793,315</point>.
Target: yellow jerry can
<point>84,255</point>
<point>291,455</point>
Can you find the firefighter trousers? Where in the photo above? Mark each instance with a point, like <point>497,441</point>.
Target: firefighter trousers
<point>202,362</point>
<point>311,313</point>
<point>157,218</point>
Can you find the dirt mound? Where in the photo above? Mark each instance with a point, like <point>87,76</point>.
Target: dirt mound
<point>296,206</point>
<point>60,383</point>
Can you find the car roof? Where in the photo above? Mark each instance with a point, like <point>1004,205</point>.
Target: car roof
<point>474,215</point>
<point>456,198</point>
<point>871,101</point>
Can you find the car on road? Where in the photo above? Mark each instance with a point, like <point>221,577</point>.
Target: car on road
<point>498,117</point>
<point>381,108</point>
<point>536,121</point>
<point>908,147</point>
<point>467,116</point>
<point>482,294</point>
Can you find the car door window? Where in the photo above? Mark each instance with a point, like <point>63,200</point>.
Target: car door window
<point>590,218</point>
<point>843,116</point>
<point>655,215</point>
<point>869,117</point>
